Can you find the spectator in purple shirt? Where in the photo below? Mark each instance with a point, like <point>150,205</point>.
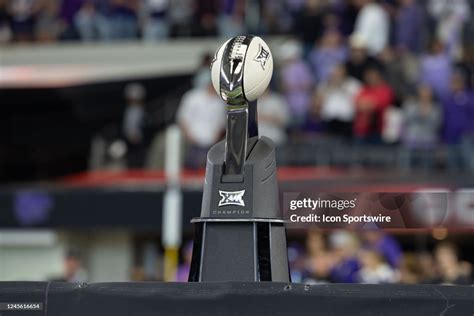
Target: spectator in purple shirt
<point>182,272</point>
<point>329,53</point>
<point>297,82</point>
<point>347,15</point>
<point>345,247</point>
<point>67,14</point>
<point>384,244</point>
<point>436,68</point>
<point>458,131</point>
<point>409,26</point>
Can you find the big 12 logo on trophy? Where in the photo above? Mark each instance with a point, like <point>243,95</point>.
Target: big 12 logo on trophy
<point>232,198</point>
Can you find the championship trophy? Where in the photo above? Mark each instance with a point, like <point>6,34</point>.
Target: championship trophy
<point>240,235</point>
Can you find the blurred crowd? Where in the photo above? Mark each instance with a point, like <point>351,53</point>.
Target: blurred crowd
<point>150,20</point>
<point>374,257</point>
<point>364,73</point>
<point>352,73</point>
<point>340,256</point>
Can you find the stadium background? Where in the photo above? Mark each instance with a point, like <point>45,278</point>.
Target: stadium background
<point>90,90</point>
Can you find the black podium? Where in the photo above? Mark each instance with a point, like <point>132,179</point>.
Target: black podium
<point>240,235</point>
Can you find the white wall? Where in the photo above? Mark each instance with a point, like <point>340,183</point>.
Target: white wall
<point>65,64</point>
<point>110,257</point>
<point>30,255</point>
<point>27,255</point>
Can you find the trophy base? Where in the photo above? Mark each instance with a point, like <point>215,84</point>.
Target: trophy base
<point>240,235</point>
<point>239,250</point>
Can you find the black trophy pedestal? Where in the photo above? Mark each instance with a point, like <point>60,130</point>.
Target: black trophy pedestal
<point>240,235</point>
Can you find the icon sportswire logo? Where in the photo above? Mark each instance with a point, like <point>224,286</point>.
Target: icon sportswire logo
<point>232,198</point>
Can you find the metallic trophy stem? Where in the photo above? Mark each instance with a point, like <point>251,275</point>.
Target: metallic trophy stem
<point>231,87</point>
